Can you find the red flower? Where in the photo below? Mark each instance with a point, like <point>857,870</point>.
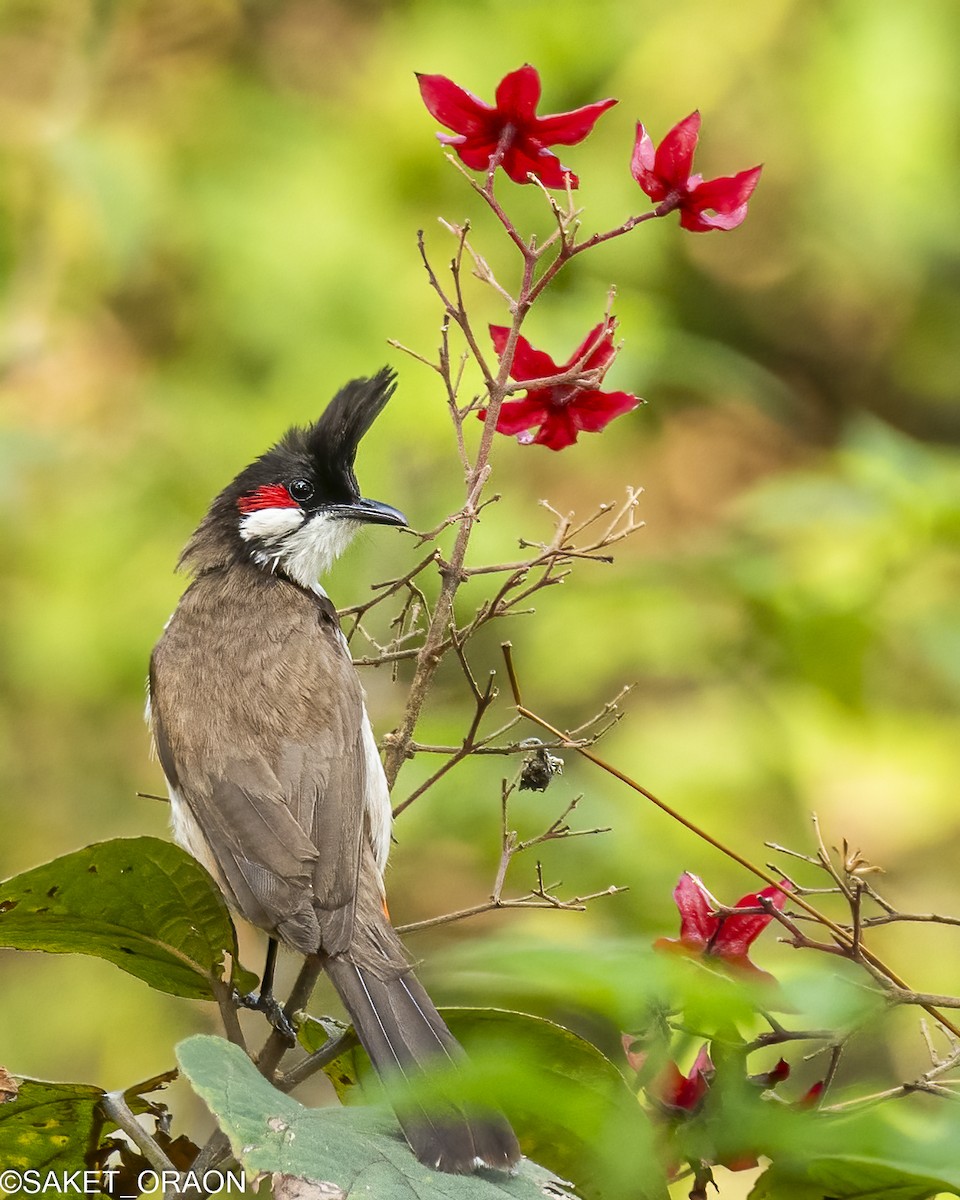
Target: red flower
<point>563,409</point>
<point>811,1097</point>
<point>511,126</point>
<point>664,174</point>
<point>770,1079</point>
<point>684,1091</point>
<point>726,937</point>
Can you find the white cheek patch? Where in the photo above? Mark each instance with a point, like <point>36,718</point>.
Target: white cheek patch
<point>270,524</point>
<point>313,549</point>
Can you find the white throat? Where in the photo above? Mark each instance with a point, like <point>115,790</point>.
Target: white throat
<point>304,548</point>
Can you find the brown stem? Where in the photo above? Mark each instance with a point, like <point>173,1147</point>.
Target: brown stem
<point>117,1109</point>
<point>398,743</point>
<point>317,1061</point>
<point>228,1014</point>
<point>533,900</point>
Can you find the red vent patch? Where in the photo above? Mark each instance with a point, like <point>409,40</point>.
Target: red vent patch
<point>269,495</point>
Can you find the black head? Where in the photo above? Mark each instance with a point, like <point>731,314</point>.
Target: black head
<point>299,504</point>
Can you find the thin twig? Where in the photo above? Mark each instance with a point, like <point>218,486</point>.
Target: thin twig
<point>115,1106</point>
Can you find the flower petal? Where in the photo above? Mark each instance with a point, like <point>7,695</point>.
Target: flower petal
<point>517,95</point>
<point>566,129</point>
<point>727,193</point>
<point>727,197</point>
<point>696,222</point>
<point>525,156</point>
<point>598,348</point>
<point>811,1097</point>
<point>738,931</point>
<point>517,415</point>
<point>641,165</point>
<point>674,156</point>
<point>528,363</point>
<point>452,105</point>
<point>693,900</point>
<point>476,152</point>
<point>777,1074</point>
<point>558,430</point>
<point>684,1091</point>
<point>593,411</point>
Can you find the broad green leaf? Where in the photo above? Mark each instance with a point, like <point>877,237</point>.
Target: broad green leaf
<point>141,903</point>
<point>850,1177</point>
<point>357,1151</point>
<point>569,1105</point>
<point>50,1127</point>
<point>884,1152</point>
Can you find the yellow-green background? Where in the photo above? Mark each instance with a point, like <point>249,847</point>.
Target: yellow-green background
<point>207,223</point>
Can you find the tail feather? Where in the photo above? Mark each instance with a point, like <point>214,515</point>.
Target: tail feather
<point>404,1035</point>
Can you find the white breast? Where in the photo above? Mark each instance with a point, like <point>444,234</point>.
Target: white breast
<point>377,799</point>
<point>187,833</point>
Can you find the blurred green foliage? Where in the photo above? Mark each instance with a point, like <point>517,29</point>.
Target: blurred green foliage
<point>207,220</point>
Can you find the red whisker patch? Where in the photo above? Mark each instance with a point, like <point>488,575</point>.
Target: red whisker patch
<point>269,495</point>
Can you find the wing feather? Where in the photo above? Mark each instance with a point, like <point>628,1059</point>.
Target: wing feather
<point>258,713</point>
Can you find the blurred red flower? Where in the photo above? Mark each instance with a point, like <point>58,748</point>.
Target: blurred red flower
<point>563,409</point>
<point>512,124</point>
<point>665,175</point>
<point>727,937</point>
<point>685,1092</point>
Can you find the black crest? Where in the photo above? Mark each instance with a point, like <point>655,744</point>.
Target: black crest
<point>331,443</point>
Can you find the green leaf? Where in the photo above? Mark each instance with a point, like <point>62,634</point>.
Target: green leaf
<point>570,1106</point>
<point>314,1032</point>
<point>849,1177</point>
<point>141,903</point>
<point>883,1152</point>
<point>60,1127</point>
<point>350,1151</point>
<point>50,1127</point>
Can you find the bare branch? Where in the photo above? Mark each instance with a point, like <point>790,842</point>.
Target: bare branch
<point>116,1107</point>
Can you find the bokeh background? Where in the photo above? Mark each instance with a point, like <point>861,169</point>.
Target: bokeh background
<point>207,223</point>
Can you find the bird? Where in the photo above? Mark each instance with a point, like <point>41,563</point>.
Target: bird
<point>276,786</point>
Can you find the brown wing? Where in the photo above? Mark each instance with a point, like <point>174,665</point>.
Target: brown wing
<point>256,709</point>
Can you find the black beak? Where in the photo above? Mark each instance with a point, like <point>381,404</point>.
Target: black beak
<point>373,512</point>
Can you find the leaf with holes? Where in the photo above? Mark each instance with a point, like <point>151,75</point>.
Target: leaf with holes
<point>141,903</point>
<point>60,1127</point>
<point>51,1127</point>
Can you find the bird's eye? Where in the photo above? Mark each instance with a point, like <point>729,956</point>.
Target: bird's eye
<point>301,490</point>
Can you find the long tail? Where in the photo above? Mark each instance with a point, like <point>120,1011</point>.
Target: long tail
<point>404,1035</point>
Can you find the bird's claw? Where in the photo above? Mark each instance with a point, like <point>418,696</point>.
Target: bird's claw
<point>272,1009</point>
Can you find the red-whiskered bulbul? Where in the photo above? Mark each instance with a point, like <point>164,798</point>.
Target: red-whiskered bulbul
<point>275,782</point>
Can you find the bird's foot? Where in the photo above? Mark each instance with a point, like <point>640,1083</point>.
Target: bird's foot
<point>272,1009</point>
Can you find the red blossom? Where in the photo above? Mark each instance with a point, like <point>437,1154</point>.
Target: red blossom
<point>685,1092</point>
<point>665,175</point>
<point>770,1079</point>
<point>511,126</point>
<point>727,937</point>
<point>811,1097</point>
<point>563,409</point>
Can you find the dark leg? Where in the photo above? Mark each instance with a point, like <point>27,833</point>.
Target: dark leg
<point>264,1001</point>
